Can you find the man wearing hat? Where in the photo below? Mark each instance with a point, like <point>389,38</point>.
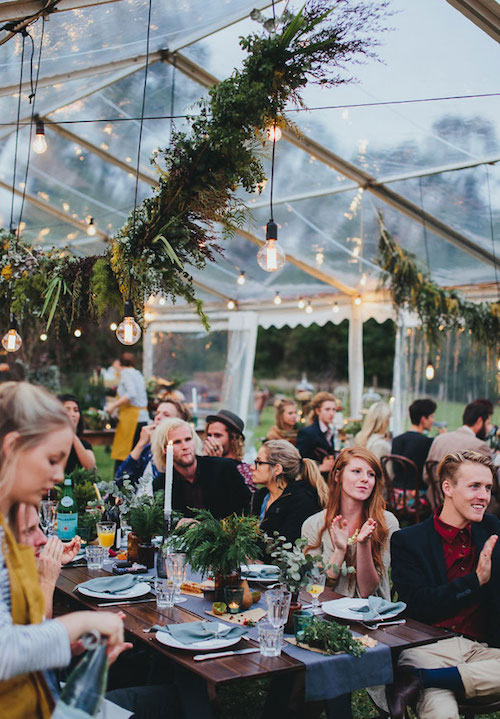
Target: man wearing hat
<point>224,438</point>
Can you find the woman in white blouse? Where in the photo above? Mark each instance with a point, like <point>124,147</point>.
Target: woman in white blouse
<point>354,530</point>
<point>35,439</point>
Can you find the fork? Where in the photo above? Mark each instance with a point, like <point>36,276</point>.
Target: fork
<point>382,624</point>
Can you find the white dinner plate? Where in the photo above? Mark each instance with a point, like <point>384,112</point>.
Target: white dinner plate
<point>136,591</point>
<point>272,579</point>
<point>342,609</point>
<point>206,644</point>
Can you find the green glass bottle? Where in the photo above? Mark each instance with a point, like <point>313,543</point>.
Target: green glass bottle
<point>85,686</point>
<point>67,513</point>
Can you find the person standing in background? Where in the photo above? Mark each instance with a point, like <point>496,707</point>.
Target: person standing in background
<point>317,440</point>
<point>132,403</point>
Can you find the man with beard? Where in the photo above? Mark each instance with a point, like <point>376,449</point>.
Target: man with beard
<point>470,436</point>
<point>212,483</point>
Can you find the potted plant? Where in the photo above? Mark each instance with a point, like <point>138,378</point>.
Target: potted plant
<point>145,516</point>
<point>295,567</point>
<point>219,546</point>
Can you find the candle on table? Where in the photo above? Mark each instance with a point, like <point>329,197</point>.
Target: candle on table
<point>234,608</point>
<point>169,476</point>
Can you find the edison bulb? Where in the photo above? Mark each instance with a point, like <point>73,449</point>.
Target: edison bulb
<point>273,132</point>
<point>429,372</point>
<point>77,333</point>
<point>113,326</point>
<point>301,304</point>
<point>309,308</point>
<point>39,143</point>
<point>277,299</point>
<point>43,337</point>
<point>319,258</point>
<point>241,278</point>
<point>231,304</point>
<point>128,331</point>
<point>91,229</point>
<point>357,301</point>
<point>271,257</point>
<point>11,341</point>
<point>335,307</point>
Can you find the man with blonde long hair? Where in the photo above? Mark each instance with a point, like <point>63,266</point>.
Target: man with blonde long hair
<point>447,570</point>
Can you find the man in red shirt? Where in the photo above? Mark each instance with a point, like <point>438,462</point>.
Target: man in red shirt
<point>447,570</point>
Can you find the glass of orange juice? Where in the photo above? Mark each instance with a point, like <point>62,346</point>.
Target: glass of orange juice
<point>315,587</point>
<point>106,533</point>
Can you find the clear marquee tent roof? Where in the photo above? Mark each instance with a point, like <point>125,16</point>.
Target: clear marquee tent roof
<point>360,150</point>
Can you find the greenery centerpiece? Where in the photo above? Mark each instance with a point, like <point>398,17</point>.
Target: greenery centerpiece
<point>219,546</point>
<point>329,636</point>
<point>296,567</point>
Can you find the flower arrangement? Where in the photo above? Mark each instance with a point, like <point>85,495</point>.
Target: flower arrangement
<point>199,174</point>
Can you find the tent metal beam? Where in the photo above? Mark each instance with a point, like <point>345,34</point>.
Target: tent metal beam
<point>211,291</point>
<point>381,181</point>
<point>103,154</point>
<point>361,178</point>
<point>483,13</point>
<point>308,269</point>
<point>19,10</point>
<point>51,210</point>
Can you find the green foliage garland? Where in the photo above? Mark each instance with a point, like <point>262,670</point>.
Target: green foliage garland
<point>412,288</point>
<point>199,174</point>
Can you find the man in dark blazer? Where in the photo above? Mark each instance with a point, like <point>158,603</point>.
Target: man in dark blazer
<point>316,441</point>
<point>447,570</point>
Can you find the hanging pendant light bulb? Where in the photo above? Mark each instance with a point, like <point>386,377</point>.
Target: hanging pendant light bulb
<point>91,229</point>
<point>241,278</point>
<point>319,257</point>
<point>44,337</point>
<point>271,257</point>
<point>301,303</point>
<point>362,281</point>
<point>273,132</point>
<point>335,307</point>
<point>11,341</point>
<point>277,299</point>
<point>39,143</point>
<point>429,372</point>
<point>309,308</point>
<point>357,301</point>
<point>113,327</point>
<point>231,305</point>
<point>128,331</point>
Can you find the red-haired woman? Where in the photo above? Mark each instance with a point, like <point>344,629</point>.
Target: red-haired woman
<point>354,530</point>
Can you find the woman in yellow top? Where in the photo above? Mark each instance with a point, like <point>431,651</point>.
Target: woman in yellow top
<point>35,439</point>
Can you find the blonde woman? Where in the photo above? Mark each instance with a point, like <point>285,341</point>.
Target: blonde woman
<point>354,528</point>
<point>373,435</point>
<point>36,435</point>
<point>285,421</point>
<point>292,489</point>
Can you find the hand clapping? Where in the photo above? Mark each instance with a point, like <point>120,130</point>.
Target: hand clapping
<point>339,532</point>
<point>366,531</point>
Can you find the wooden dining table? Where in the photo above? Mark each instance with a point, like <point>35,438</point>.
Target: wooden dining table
<point>143,614</point>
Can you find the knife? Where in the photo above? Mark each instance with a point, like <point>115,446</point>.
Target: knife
<point>130,601</point>
<point>216,655</point>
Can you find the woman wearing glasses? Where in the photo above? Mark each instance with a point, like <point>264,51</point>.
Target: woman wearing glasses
<point>292,489</point>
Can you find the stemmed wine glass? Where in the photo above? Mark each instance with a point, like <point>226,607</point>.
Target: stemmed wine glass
<point>316,586</point>
<point>48,515</point>
<point>176,571</point>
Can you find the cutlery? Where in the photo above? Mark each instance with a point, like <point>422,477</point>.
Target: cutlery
<point>383,624</point>
<point>216,655</point>
<point>130,601</point>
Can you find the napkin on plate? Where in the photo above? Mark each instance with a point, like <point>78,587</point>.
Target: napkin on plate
<point>191,632</point>
<point>376,607</point>
<point>264,572</point>
<point>110,585</point>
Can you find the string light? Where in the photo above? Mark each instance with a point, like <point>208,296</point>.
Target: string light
<point>11,341</point>
<point>231,305</point>
<point>39,143</point>
<point>273,133</point>
<point>241,278</point>
<point>429,372</point>
<point>309,308</point>
<point>277,299</point>
<point>319,258</point>
<point>43,337</point>
<point>128,331</point>
<point>357,301</point>
<point>77,333</point>
<point>335,307</point>
<point>498,365</point>
<point>271,257</point>
<point>362,281</point>
<point>162,301</point>
<point>113,327</point>
<point>91,229</point>
<point>301,304</point>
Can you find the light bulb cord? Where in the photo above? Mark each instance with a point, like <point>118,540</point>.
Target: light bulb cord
<point>274,142</point>
<point>18,118</point>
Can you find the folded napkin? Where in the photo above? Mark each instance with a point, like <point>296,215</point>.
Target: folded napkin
<point>377,607</point>
<point>261,572</point>
<point>191,632</point>
<point>110,585</point>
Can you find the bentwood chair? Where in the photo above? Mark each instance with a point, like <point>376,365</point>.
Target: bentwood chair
<point>436,494</point>
<point>408,506</point>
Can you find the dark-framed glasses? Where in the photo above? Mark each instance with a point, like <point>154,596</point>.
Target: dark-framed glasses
<point>258,462</point>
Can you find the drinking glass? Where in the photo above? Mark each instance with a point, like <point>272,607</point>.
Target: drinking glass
<point>176,571</point>
<point>316,586</point>
<point>278,606</point>
<point>270,639</point>
<point>165,593</point>
<point>48,515</point>
<point>106,533</point>
<point>95,556</point>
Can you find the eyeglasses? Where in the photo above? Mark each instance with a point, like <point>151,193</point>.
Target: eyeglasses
<point>258,462</point>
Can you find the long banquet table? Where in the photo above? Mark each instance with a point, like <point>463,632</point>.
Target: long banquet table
<point>143,614</point>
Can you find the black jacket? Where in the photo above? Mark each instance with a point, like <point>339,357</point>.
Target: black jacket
<point>419,575</point>
<point>287,514</point>
<point>310,439</point>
